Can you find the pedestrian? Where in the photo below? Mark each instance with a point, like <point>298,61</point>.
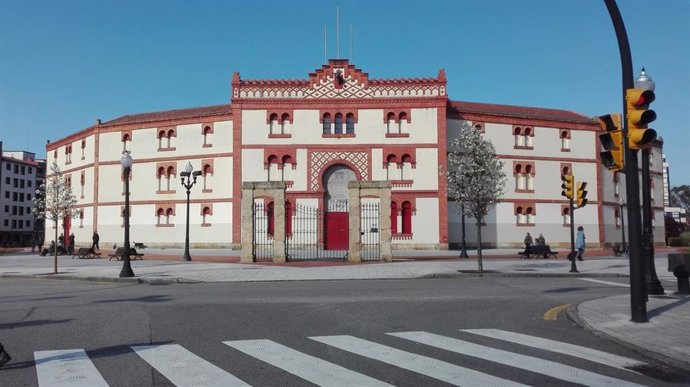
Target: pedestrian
<point>95,238</point>
<point>580,243</point>
<point>4,356</point>
<point>540,241</point>
<point>70,248</point>
<point>528,241</point>
<point>34,242</point>
<point>40,245</point>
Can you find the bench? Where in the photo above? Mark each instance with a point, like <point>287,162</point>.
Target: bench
<point>86,253</point>
<point>543,251</point>
<point>120,252</point>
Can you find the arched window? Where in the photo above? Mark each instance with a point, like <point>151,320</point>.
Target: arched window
<point>391,166</point>
<point>159,215</point>
<point>285,162</point>
<point>326,123</point>
<point>402,122</point>
<point>565,140</point>
<point>161,136</point>
<point>207,131</point>
<point>519,140</point>
<point>284,121</point>
<point>338,123</point>
<point>168,213</point>
<point>519,180</point>
<point>390,121</point>
<point>272,165</point>
<point>170,174</point>
<point>407,218</point>
<point>350,123</point>
<point>207,170</point>
<point>273,124</point>
<point>160,174</point>
<point>405,167</point>
<point>205,213</point>
<point>171,133</point>
<point>530,215</point>
<point>529,181</point>
<point>394,218</point>
<point>520,214</point>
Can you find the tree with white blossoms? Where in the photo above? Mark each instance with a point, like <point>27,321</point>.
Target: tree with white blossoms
<point>55,202</point>
<point>475,176</point>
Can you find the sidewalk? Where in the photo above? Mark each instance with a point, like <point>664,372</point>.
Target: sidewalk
<point>666,336</point>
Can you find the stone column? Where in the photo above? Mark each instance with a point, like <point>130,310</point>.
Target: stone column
<point>247,230</point>
<point>385,222</point>
<point>355,213</point>
<point>250,191</point>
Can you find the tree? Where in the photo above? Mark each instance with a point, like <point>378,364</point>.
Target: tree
<point>680,197</point>
<point>475,176</point>
<point>55,202</point>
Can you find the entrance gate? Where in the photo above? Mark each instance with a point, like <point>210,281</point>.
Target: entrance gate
<point>313,235</point>
<point>262,235</point>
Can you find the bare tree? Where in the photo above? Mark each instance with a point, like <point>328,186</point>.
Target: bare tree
<point>55,201</point>
<point>476,180</point>
<point>680,197</point>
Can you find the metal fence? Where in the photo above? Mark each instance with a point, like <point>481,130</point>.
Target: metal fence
<point>262,235</point>
<point>371,232</point>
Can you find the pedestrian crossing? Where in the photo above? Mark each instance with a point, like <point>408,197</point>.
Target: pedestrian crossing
<point>183,368</point>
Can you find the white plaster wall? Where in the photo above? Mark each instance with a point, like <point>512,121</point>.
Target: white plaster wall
<point>299,174</point>
<point>426,174</point>
<point>424,126</point>
<point>378,172</point>
<point>424,222</point>
<point>253,166</point>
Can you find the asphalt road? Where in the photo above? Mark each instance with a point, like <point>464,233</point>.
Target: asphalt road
<point>332,321</point>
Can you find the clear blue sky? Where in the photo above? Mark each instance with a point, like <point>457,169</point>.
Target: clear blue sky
<point>65,63</point>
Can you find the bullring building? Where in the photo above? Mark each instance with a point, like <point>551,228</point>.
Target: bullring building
<point>317,134</point>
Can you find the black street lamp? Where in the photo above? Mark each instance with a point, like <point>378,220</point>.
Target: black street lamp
<point>624,249</point>
<point>188,180</point>
<point>126,163</point>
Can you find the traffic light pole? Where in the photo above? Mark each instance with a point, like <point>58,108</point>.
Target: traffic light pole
<point>638,290</point>
<point>653,283</point>
<point>572,255</point>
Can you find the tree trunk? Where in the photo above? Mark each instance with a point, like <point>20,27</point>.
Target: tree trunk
<point>480,266</point>
<point>55,250</point>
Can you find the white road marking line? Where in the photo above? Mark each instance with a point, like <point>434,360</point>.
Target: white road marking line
<point>605,282</point>
<point>434,368</point>
<point>183,368</point>
<point>68,367</point>
<point>529,363</point>
<point>559,347</point>
<point>310,368</point>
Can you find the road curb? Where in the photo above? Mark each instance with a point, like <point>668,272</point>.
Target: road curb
<point>572,314</point>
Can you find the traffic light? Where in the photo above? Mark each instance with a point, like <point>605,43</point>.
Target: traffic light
<point>581,194</point>
<point>639,115</point>
<point>568,185</point>
<point>612,141</point>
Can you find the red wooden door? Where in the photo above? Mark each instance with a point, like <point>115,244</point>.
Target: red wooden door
<point>337,231</point>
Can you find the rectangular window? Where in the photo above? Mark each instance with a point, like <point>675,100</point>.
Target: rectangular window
<point>7,194</point>
<point>20,223</point>
<point>16,169</point>
<point>21,211</point>
<point>14,196</point>
<point>7,208</point>
<point>23,170</point>
<point>29,183</point>
<point>28,224</point>
<point>21,183</point>
<point>21,197</point>
<point>7,222</point>
<point>28,210</point>
<point>31,170</point>
<point>28,196</point>
<point>14,210</point>
<point>8,180</point>
<point>8,167</point>
<point>15,183</point>
<point>14,223</point>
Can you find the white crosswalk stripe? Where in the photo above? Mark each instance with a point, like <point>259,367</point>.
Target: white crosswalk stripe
<point>544,367</point>
<point>307,367</point>
<point>590,354</point>
<point>436,369</point>
<point>68,367</point>
<point>183,368</point>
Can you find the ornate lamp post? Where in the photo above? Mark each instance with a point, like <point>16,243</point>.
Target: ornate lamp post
<point>126,163</point>
<point>645,82</point>
<point>622,205</point>
<point>188,180</point>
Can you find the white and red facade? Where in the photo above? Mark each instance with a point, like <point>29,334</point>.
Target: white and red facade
<point>300,131</point>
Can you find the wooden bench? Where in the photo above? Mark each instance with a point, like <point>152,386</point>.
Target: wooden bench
<point>86,253</point>
<point>120,252</point>
<point>536,251</point>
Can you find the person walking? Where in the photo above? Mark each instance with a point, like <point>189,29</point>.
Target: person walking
<point>580,243</point>
<point>4,356</point>
<point>95,238</point>
<point>70,248</point>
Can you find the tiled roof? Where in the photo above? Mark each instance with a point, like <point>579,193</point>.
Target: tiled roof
<point>460,107</point>
<point>171,115</point>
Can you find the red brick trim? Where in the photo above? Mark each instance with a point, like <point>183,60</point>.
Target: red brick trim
<point>280,113</point>
<point>339,135</point>
<point>566,168</point>
<point>280,135</point>
<point>204,164</point>
<point>397,135</point>
<point>344,112</point>
<point>396,113</point>
<point>205,125</point>
<point>206,205</point>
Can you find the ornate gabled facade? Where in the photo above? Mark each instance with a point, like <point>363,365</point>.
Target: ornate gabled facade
<point>315,135</point>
